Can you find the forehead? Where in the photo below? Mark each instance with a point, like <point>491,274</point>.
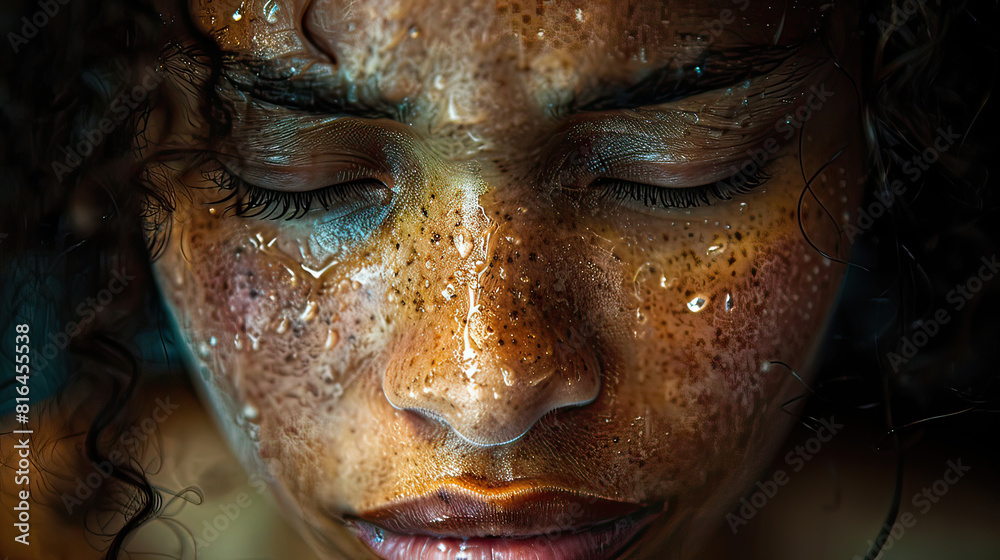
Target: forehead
<point>552,49</point>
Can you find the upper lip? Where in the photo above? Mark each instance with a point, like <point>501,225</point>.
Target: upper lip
<point>453,508</point>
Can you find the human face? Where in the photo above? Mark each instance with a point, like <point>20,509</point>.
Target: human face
<point>531,311</point>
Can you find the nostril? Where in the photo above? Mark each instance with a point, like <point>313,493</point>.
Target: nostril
<point>498,397</point>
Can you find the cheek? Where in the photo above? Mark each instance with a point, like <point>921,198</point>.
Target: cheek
<point>281,328</point>
<point>721,307</point>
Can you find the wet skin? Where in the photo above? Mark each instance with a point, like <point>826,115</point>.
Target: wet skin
<point>481,305</point>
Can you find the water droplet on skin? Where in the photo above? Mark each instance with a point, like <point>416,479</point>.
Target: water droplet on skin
<point>337,390</point>
<point>508,378</point>
<point>309,313</point>
<point>463,245</point>
<point>331,339</point>
<point>254,342</point>
<point>448,292</point>
<point>640,317</point>
<point>213,341</point>
<point>271,11</point>
<point>355,285</point>
<point>249,412</point>
<point>697,304</point>
<point>204,350</point>
<point>428,381</point>
<point>413,32</point>
<point>730,302</point>
<point>716,248</point>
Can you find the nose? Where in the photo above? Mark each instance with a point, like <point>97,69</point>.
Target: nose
<point>522,350</point>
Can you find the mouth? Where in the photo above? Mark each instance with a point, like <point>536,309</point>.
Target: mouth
<point>524,520</point>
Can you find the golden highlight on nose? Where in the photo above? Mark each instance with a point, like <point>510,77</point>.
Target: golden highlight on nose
<point>505,350</point>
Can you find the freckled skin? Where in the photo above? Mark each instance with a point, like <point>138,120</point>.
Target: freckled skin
<point>529,332</point>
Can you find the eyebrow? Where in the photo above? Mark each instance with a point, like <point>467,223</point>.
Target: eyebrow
<point>272,82</point>
<point>715,68</point>
<point>279,84</point>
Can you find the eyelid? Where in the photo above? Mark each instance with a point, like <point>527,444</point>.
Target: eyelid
<point>329,169</point>
<point>271,145</point>
<point>686,143</point>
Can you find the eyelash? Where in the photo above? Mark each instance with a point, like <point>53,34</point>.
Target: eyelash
<point>688,197</point>
<point>250,201</point>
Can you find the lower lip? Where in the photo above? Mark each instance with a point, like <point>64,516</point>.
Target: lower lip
<point>601,542</point>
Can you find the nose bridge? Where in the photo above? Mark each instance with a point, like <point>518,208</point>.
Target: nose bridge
<point>505,347</point>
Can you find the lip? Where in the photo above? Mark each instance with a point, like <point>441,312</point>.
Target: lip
<point>526,519</point>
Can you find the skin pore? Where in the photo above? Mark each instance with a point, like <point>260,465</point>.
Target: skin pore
<point>508,284</point>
